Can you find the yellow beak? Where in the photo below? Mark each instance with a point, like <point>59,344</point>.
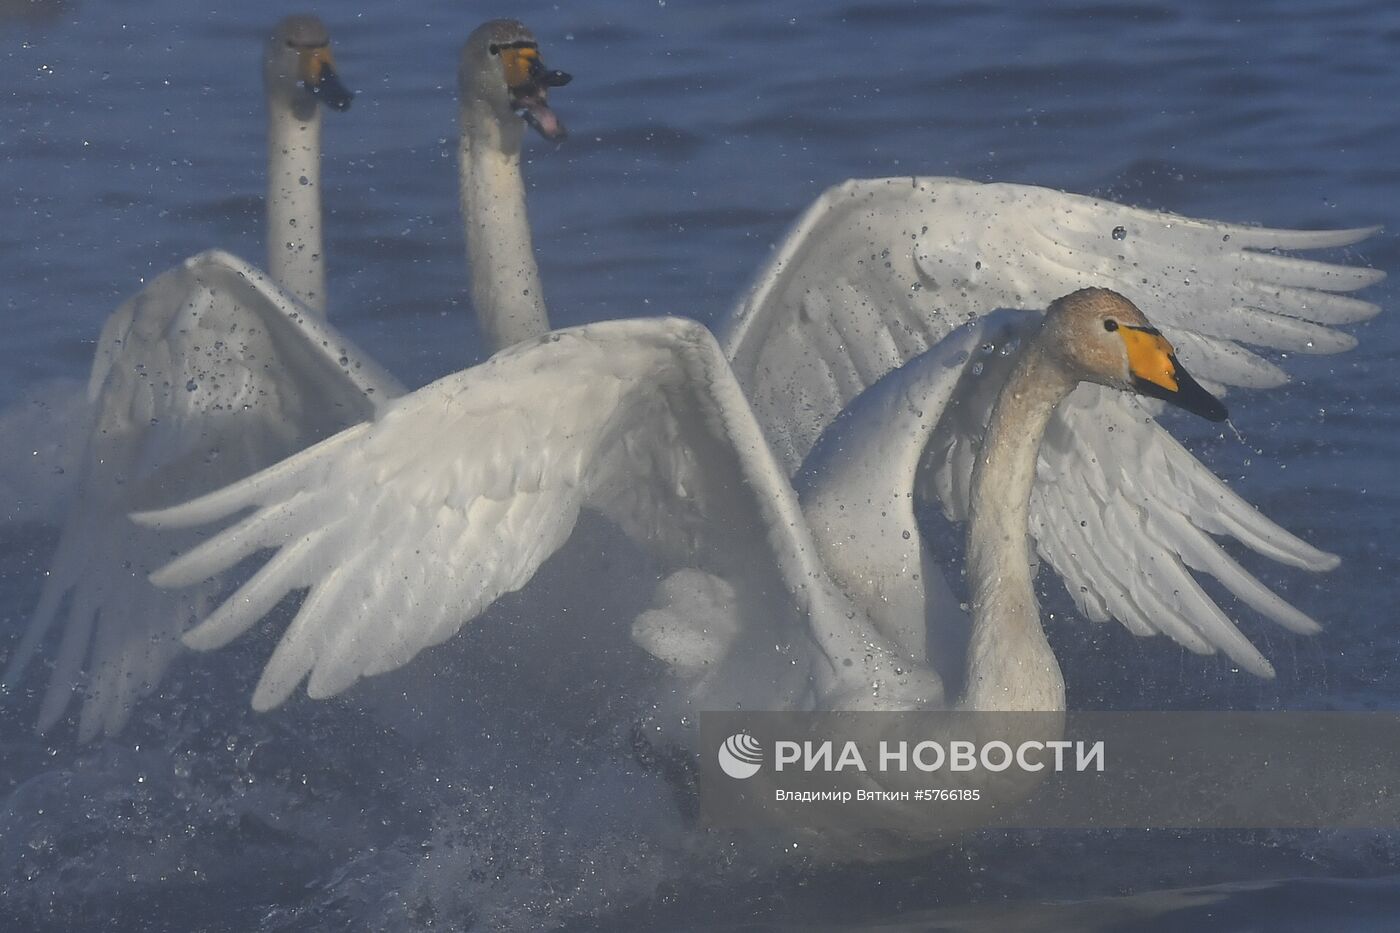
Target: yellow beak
<point>1150,357</point>
<point>1156,373</point>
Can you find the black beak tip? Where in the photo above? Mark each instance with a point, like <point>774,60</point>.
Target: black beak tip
<point>332,92</point>
<point>339,104</point>
<point>557,79</point>
<point>1190,396</point>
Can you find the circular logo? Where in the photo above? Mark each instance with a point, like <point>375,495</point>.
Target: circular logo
<point>740,756</point>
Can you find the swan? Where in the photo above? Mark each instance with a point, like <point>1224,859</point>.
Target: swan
<point>406,528</point>
<point>877,271</point>
<point>213,371</point>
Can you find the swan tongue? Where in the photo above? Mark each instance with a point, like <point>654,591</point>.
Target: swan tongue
<point>538,114</point>
<point>530,97</point>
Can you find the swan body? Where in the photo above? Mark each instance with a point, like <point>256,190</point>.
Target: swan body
<point>209,373</point>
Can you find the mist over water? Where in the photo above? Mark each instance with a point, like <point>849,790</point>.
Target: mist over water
<point>499,780</point>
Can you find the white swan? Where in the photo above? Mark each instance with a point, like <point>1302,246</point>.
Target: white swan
<point>212,372</point>
<point>406,528</point>
<point>209,373</point>
<point>877,271</point>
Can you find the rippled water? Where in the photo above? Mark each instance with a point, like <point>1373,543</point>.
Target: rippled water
<point>133,137</point>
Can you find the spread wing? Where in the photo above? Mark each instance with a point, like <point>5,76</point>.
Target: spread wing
<point>208,374</point>
<point>406,528</point>
<point>877,271</point>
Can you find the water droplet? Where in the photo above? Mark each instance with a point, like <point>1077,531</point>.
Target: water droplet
<point>303,180</point>
<point>191,386</point>
<point>1120,233</point>
<point>906,535</point>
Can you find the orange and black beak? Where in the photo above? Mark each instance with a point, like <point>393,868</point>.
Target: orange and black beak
<point>319,75</point>
<point>1156,373</point>
<point>529,83</point>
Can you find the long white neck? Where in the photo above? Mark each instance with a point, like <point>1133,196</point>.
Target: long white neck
<point>505,280</point>
<point>295,253</point>
<point>1010,664</point>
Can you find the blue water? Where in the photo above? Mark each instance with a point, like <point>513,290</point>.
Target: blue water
<point>133,137</point>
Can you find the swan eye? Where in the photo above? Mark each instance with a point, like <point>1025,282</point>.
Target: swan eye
<point>1110,325</point>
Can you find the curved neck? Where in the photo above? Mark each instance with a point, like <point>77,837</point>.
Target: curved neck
<point>505,281</point>
<point>295,253</point>
<point>1009,662</point>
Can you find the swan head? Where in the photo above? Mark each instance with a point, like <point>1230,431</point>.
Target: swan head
<point>1102,337</point>
<point>501,68</point>
<point>299,70</point>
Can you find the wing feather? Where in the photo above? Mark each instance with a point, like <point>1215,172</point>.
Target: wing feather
<point>207,375</point>
<point>458,493</point>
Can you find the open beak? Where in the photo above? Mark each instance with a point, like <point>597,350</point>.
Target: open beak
<point>1157,374</point>
<point>319,75</point>
<point>529,82</point>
